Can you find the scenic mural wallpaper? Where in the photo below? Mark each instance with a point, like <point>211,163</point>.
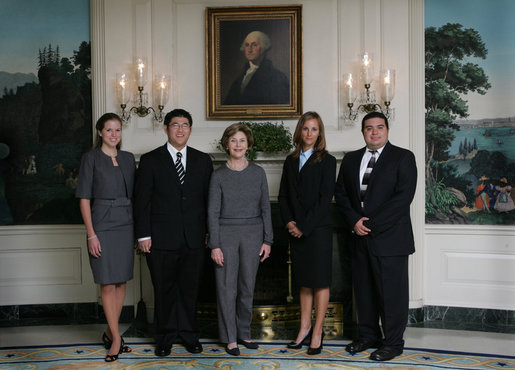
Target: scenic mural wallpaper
<point>470,111</point>
<point>45,109</point>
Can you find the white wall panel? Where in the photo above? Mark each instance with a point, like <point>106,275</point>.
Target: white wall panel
<point>470,266</point>
<point>45,264</point>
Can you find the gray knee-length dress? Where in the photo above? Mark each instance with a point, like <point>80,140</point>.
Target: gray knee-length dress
<point>110,189</point>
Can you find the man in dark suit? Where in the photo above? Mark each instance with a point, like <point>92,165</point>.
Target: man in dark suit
<point>260,82</point>
<point>374,190</point>
<point>170,206</point>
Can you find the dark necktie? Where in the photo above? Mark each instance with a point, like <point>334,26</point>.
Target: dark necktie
<point>366,175</point>
<point>179,167</point>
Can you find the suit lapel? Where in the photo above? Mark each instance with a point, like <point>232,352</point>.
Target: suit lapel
<point>381,162</point>
<point>168,165</point>
<point>355,171</point>
<point>124,169</point>
<point>191,160</point>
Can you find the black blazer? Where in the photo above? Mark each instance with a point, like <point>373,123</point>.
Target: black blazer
<point>390,191</point>
<point>163,208</point>
<point>305,196</point>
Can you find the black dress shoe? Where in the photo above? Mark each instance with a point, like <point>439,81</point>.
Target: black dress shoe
<point>248,344</point>
<point>386,353</point>
<point>233,351</point>
<point>194,347</point>
<point>295,345</point>
<point>362,344</point>
<point>316,351</point>
<point>162,351</point>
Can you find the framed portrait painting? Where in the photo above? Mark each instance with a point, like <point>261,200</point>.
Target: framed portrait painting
<point>253,62</point>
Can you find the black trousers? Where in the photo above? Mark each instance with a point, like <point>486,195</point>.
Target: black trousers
<point>175,276</point>
<point>381,289</point>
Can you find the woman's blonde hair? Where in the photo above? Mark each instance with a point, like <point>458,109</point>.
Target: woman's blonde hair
<point>319,150</point>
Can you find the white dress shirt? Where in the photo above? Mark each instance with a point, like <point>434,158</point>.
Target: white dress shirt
<point>366,159</point>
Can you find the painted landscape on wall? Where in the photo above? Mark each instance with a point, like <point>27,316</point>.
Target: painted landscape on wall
<point>45,109</point>
<point>470,114</point>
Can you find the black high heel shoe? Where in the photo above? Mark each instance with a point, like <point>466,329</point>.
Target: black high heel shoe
<point>112,358</point>
<point>295,345</point>
<point>316,351</point>
<point>108,343</point>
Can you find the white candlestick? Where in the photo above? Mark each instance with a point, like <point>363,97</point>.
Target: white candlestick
<point>366,65</point>
<point>349,87</point>
<point>141,66</point>
<point>162,95</point>
<point>122,84</point>
<point>387,86</point>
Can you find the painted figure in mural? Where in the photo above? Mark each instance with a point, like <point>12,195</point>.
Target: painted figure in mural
<point>492,192</point>
<point>375,188</point>
<point>482,199</point>
<point>260,82</point>
<point>170,211</point>
<point>240,235</point>
<point>504,202</point>
<point>305,195</point>
<point>30,168</point>
<point>105,188</point>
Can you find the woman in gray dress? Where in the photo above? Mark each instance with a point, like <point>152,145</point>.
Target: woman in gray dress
<point>105,187</point>
<point>240,236</point>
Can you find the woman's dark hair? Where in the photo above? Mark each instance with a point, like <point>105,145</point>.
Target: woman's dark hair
<point>100,126</point>
<point>319,150</point>
<point>233,129</point>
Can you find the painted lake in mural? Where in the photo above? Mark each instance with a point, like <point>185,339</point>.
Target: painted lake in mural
<point>501,139</point>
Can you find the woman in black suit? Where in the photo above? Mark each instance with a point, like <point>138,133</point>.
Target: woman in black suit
<point>307,187</point>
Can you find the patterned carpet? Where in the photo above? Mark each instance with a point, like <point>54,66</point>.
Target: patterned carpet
<point>268,356</point>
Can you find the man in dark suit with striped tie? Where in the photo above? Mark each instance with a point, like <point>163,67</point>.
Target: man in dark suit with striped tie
<point>374,190</point>
<point>170,210</point>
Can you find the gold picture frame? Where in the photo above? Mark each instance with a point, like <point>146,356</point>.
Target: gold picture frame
<point>273,88</point>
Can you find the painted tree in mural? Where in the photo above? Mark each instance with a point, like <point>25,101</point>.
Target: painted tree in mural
<point>448,75</point>
<point>47,126</point>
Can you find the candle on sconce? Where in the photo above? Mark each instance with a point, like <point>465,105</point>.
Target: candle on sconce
<point>122,85</point>
<point>348,83</point>
<point>366,67</point>
<point>388,84</point>
<point>162,86</point>
<point>141,67</point>
<point>387,87</point>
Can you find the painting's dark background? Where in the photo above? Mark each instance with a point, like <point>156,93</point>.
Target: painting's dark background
<point>232,59</point>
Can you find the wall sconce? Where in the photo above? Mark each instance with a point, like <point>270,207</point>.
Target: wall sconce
<point>161,87</point>
<point>367,99</point>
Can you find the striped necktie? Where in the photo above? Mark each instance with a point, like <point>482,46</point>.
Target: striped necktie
<point>366,175</point>
<point>179,167</point>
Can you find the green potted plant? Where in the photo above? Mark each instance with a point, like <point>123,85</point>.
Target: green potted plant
<point>268,138</point>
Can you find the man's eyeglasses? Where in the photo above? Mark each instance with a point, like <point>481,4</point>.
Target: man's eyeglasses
<point>176,126</point>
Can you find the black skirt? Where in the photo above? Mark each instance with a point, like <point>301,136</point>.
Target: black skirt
<point>312,258</point>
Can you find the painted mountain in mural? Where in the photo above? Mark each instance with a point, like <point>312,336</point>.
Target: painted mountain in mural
<point>11,81</point>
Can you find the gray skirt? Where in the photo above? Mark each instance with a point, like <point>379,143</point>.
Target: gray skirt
<point>114,228</point>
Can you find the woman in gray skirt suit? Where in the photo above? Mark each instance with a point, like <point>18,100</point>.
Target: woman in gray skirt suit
<point>105,187</point>
<point>240,236</point>
<point>305,194</point>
